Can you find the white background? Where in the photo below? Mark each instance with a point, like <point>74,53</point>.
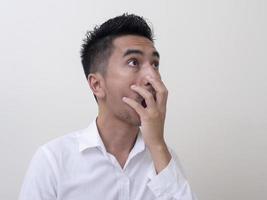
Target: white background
<point>213,61</point>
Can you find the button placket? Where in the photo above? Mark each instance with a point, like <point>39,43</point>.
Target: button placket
<point>125,187</point>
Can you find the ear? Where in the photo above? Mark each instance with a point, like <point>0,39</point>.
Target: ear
<point>96,83</point>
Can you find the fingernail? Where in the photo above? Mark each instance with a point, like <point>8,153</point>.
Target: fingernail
<point>133,86</point>
<point>123,98</point>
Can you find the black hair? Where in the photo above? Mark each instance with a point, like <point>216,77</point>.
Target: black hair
<point>97,45</point>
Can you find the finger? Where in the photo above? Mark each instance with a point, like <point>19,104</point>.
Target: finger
<point>148,96</point>
<point>161,90</point>
<point>136,106</point>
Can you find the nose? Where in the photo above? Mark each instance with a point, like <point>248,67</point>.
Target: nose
<point>149,71</point>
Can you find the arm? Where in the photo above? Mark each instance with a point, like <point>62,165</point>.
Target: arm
<point>169,183</point>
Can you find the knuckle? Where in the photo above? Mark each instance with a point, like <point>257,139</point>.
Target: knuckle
<point>166,92</point>
<point>162,92</point>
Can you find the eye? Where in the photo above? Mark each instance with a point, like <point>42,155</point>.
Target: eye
<point>133,62</point>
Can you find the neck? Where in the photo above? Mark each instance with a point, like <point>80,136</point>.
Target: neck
<point>117,136</point>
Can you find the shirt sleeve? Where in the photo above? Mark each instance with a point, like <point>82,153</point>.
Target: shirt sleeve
<point>40,180</point>
<point>171,183</point>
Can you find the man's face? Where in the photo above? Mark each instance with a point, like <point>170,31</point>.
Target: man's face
<point>132,59</point>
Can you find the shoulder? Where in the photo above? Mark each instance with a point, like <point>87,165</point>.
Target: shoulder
<point>60,147</point>
<point>63,142</point>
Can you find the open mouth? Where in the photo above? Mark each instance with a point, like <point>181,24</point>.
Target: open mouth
<point>143,103</point>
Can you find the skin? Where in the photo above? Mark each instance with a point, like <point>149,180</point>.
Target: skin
<point>127,80</point>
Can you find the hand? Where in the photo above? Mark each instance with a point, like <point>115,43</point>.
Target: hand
<point>153,116</point>
<point>152,121</point>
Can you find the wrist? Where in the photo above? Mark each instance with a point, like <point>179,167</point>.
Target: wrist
<point>160,155</point>
<point>158,146</point>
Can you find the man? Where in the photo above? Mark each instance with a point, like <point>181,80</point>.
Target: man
<point>122,154</point>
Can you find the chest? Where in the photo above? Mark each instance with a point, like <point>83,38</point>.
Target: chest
<point>103,178</point>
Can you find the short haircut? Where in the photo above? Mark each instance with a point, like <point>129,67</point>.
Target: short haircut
<point>98,43</point>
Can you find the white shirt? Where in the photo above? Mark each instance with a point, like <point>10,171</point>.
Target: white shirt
<point>77,166</point>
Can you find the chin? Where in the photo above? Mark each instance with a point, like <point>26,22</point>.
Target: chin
<point>134,120</point>
<point>138,122</point>
<point>131,118</point>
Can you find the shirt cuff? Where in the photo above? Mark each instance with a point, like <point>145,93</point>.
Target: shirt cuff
<point>166,181</point>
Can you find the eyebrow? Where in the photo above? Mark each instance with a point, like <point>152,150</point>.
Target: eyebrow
<point>136,51</point>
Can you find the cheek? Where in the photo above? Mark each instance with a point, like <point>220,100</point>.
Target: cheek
<point>119,86</point>
<point>117,91</point>
<point>120,92</point>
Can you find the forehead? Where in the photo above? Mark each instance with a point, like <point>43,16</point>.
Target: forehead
<point>123,43</point>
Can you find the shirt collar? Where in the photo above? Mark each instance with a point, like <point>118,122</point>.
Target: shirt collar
<point>89,137</point>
